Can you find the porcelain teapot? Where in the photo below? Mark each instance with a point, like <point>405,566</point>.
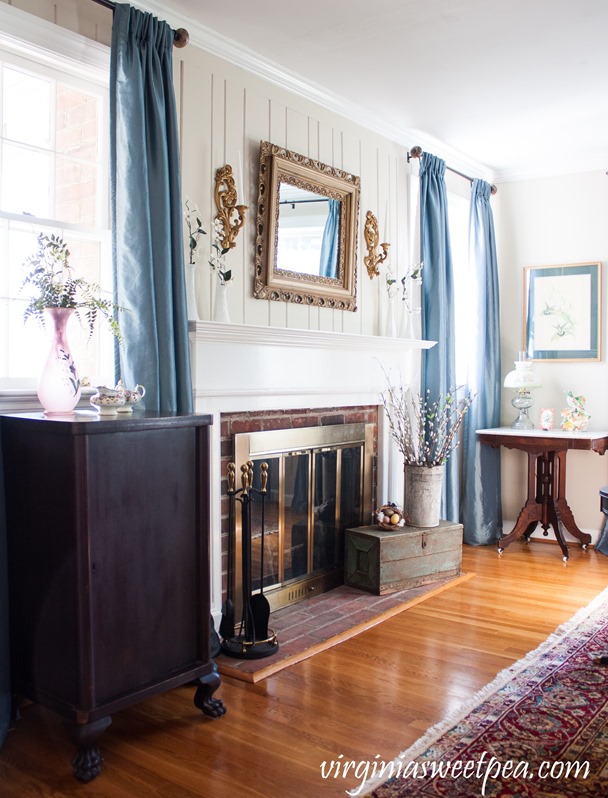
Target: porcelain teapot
<point>131,396</point>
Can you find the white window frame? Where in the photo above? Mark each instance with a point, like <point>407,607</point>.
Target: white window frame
<point>30,37</point>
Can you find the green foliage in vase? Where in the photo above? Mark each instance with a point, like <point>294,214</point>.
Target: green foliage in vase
<point>56,286</point>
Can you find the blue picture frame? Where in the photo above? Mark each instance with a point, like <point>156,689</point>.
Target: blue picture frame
<point>562,312</point>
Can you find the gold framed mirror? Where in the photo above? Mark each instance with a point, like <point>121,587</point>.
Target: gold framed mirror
<point>306,240</point>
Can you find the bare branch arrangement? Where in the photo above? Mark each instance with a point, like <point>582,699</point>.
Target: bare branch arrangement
<point>426,430</point>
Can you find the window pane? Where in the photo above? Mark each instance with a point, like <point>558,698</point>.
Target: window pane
<point>28,122</point>
<point>464,285</point>
<point>53,150</point>
<point>76,192</point>
<point>77,123</point>
<point>26,181</point>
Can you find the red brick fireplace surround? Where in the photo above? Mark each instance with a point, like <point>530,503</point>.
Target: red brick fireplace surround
<point>261,421</point>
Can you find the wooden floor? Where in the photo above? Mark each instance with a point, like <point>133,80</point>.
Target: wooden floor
<point>372,695</point>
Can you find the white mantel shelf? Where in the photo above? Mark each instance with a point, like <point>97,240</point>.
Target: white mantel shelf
<point>285,336</point>
<point>247,367</point>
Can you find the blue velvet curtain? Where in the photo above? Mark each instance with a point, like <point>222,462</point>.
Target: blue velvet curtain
<point>439,362</point>
<point>5,687</point>
<point>481,513</point>
<point>329,244</point>
<point>148,252</point>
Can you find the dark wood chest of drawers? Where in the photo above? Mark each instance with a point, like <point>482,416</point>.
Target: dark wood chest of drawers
<point>108,558</point>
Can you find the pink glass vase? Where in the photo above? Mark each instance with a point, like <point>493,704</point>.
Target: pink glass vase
<point>59,386</point>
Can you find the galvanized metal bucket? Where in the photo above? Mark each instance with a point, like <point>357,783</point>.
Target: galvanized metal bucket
<point>423,487</point>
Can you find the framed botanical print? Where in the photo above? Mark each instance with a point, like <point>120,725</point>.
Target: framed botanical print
<point>562,314</point>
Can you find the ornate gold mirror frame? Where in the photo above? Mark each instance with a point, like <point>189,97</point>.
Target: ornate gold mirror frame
<point>281,169</point>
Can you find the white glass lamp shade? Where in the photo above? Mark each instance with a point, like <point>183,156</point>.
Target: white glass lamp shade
<point>522,380</point>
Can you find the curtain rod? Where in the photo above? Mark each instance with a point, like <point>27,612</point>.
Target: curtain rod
<point>181,37</point>
<point>416,152</point>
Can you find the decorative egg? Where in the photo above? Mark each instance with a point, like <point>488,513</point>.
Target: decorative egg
<point>389,517</point>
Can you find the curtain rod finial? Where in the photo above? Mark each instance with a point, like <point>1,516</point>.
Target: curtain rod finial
<point>181,37</point>
<point>415,152</point>
<point>493,189</point>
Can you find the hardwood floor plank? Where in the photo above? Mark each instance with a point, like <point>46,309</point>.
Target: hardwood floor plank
<point>372,695</point>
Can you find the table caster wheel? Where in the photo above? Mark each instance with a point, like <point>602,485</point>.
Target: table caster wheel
<point>585,545</point>
<point>500,551</point>
<point>564,558</point>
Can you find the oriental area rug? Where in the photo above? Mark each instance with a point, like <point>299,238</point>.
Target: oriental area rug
<point>539,729</point>
<point>323,621</point>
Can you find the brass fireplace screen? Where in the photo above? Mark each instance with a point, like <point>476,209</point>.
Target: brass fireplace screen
<point>319,484</point>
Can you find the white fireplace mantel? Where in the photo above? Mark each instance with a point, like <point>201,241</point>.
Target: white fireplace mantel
<point>246,368</point>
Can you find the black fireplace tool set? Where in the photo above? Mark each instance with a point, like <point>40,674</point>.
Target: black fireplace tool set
<point>254,640</point>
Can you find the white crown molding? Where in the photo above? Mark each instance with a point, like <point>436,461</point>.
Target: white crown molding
<point>31,36</point>
<point>567,166</point>
<point>221,46</point>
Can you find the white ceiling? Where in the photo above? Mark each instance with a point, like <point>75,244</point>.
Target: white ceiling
<point>517,86</point>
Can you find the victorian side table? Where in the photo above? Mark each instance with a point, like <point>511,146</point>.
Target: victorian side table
<point>546,502</point>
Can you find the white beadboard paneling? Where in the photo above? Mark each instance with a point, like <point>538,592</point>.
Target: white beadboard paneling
<point>40,8</point>
<point>196,93</point>
<point>257,128</point>
<point>90,19</point>
<point>235,142</point>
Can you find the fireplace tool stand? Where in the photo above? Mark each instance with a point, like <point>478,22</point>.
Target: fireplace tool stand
<point>254,639</point>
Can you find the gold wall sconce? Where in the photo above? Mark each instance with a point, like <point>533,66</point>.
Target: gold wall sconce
<point>230,215</point>
<point>373,259</point>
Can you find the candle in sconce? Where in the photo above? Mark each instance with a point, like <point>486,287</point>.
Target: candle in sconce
<point>386,238</point>
<point>239,182</point>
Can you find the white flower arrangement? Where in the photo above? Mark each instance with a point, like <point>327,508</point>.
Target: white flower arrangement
<point>192,217</point>
<point>391,284</point>
<point>217,261</point>
<point>413,275</point>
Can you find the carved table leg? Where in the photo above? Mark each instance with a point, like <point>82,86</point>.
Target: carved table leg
<point>555,521</point>
<point>563,510</point>
<point>207,685</point>
<point>88,760</point>
<point>530,513</point>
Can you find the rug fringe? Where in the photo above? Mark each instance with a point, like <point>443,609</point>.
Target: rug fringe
<point>500,680</point>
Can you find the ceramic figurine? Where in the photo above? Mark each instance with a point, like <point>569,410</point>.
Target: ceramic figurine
<point>574,417</point>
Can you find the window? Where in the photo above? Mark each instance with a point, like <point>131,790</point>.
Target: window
<point>53,179</point>
<point>465,298</point>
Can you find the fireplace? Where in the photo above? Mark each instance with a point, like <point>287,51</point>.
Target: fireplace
<point>320,482</point>
<point>246,369</point>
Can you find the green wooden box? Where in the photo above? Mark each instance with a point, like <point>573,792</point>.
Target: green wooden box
<point>382,562</point>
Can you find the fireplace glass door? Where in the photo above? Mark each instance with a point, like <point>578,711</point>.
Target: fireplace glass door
<point>313,494</point>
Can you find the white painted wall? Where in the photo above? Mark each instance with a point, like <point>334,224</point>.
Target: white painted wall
<point>542,222</point>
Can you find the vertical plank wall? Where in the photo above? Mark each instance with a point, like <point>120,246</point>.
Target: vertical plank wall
<point>224,112</point>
